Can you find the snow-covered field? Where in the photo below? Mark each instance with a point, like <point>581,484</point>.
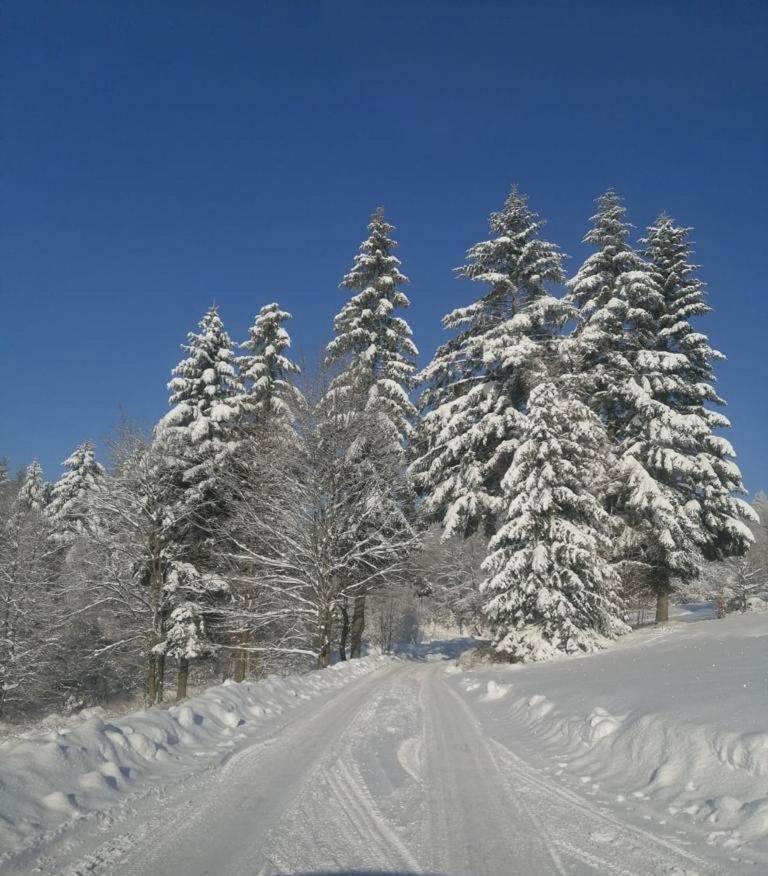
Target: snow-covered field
<point>651,758</point>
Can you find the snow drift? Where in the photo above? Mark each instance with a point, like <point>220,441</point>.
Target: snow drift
<point>672,718</point>
<point>94,762</point>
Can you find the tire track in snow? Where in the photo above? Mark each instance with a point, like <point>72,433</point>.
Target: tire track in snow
<point>572,820</point>
<point>475,825</point>
<point>351,830</point>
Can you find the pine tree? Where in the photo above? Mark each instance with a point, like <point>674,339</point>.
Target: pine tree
<point>70,508</point>
<point>32,491</point>
<point>374,350</point>
<point>268,393</point>
<point>192,599</point>
<point>680,478</point>
<point>550,588</point>
<point>611,290</point>
<point>197,439</point>
<point>630,350</point>
<point>198,432</point>
<point>479,381</point>
<point>372,345</point>
<point>27,574</point>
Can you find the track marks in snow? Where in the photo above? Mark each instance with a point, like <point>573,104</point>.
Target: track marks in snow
<point>585,838</point>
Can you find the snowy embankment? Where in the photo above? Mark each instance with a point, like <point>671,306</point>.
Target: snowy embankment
<point>671,723</point>
<point>93,763</point>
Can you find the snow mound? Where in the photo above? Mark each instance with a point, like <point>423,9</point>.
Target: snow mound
<point>92,763</point>
<point>677,722</point>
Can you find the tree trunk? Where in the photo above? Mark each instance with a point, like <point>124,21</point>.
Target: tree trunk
<point>326,638</point>
<point>240,656</point>
<point>155,678</point>
<point>156,662</point>
<point>357,627</point>
<point>151,689</point>
<point>344,634</point>
<point>182,679</point>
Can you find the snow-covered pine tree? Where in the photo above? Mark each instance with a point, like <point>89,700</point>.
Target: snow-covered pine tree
<point>677,494</point>
<point>27,574</point>
<point>268,407</point>
<point>479,381</point>
<point>614,287</point>
<point>196,440</point>
<point>198,433</point>
<point>629,350</point>
<point>32,490</point>
<point>372,346</point>
<point>375,354</point>
<point>549,586</point>
<point>70,509</point>
<point>192,598</point>
<point>266,371</point>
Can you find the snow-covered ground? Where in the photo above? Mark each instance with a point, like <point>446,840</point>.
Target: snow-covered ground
<point>651,758</point>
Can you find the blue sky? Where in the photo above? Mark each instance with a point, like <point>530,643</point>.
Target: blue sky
<point>156,157</point>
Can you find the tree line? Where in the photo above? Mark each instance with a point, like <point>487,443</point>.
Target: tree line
<point>559,453</point>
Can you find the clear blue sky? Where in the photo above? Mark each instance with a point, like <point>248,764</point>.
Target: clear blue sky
<point>158,156</point>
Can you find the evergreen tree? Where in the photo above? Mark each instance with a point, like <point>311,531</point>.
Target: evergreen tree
<point>192,598</point>
<point>674,482</point>
<point>268,393</point>
<point>27,575</point>
<point>372,345</point>
<point>549,586</point>
<point>70,508</point>
<point>198,432</point>
<point>677,493</point>
<point>615,295</point>
<point>196,440</point>
<point>478,382</point>
<point>375,353</point>
<point>32,491</point>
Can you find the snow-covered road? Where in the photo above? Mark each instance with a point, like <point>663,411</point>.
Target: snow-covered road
<point>393,772</point>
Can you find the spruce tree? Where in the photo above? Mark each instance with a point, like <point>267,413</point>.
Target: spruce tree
<point>266,370</point>
<point>674,480</point>
<point>197,433</point>
<point>372,346</point>
<point>32,492</point>
<point>478,382</point>
<point>196,440</point>
<point>611,290</point>
<point>677,493</point>
<point>375,354</point>
<point>193,600</point>
<point>549,586</point>
<point>70,509</point>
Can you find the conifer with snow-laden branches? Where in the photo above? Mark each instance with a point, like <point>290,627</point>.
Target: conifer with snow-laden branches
<point>479,381</point>
<point>680,479</point>
<point>372,345</point>
<point>197,433</point>
<point>70,509</point>
<point>374,350</point>
<point>266,371</point>
<point>549,586</point>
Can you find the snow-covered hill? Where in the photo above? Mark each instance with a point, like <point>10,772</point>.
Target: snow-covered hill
<point>670,725</point>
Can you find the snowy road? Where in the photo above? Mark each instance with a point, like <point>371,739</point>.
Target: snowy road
<point>394,772</point>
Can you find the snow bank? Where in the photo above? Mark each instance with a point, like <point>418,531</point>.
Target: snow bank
<point>93,763</point>
<point>672,718</point>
